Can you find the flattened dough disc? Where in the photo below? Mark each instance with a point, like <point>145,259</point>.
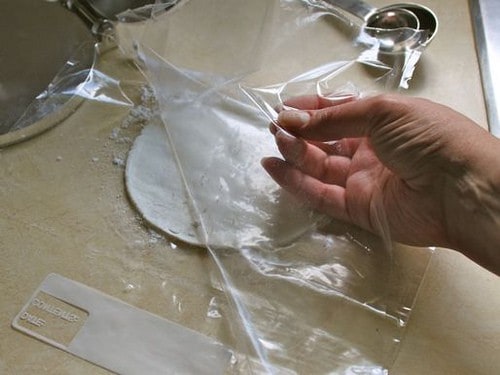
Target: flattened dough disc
<point>240,206</point>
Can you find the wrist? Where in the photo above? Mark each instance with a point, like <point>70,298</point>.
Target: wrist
<point>475,223</point>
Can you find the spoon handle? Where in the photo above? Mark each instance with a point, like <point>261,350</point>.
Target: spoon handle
<point>357,8</point>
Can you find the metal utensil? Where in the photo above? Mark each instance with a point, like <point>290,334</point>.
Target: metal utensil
<point>403,15</point>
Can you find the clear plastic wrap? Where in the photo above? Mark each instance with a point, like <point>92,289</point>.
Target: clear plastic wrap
<point>307,295</point>
<point>304,294</point>
<point>79,79</point>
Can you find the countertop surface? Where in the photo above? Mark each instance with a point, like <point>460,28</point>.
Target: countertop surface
<point>64,209</point>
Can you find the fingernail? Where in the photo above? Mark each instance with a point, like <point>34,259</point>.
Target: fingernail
<point>293,119</point>
<point>264,160</point>
<point>267,162</point>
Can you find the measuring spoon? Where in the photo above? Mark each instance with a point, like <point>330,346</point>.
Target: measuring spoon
<point>404,15</point>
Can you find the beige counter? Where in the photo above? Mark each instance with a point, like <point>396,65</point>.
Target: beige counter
<point>63,209</point>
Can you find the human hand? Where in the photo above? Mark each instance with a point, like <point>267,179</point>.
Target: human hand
<point>402,166</point>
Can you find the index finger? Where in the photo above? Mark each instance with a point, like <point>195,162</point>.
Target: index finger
<point>313,102</point>
<point>353,119</point>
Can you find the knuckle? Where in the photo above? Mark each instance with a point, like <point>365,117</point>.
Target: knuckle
<point>388,108</point>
